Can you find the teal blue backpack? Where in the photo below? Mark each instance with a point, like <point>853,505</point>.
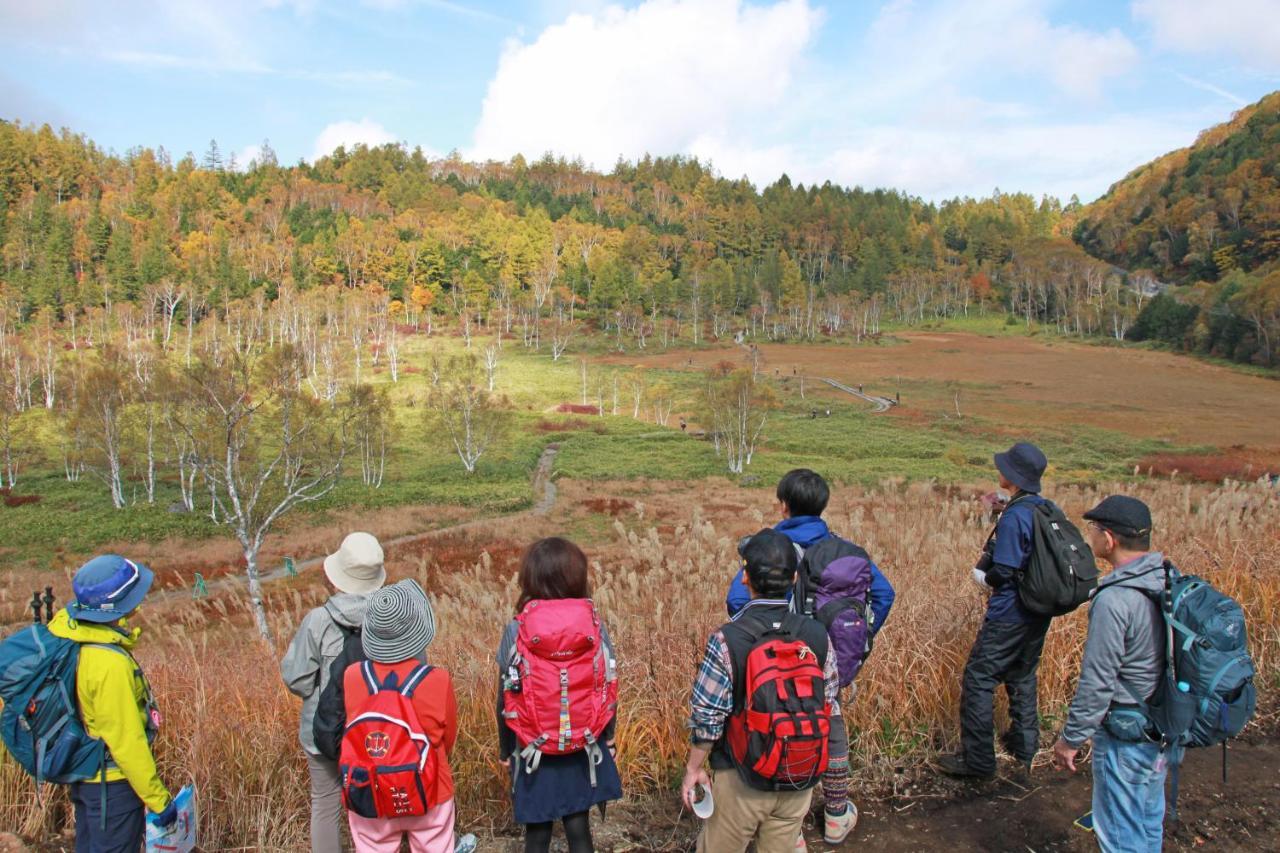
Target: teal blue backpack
<point>1206,694</point>
<point>40,722</point>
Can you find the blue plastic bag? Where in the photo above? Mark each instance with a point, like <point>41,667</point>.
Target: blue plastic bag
<point>181,836</point>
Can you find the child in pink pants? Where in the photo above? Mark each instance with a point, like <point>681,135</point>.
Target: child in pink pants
<point>429,833</point>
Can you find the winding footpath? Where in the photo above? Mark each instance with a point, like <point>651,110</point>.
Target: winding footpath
<point>882,404</point>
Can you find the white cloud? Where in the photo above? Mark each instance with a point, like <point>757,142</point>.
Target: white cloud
<point>656,78</point>
<point>350,133</point>
<point>919,46</point>
<point>245,157</point>
<point>1057,158</point>
<point>1249,29</point>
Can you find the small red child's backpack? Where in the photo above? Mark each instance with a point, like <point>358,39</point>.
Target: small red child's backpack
<point>777,735</point>
<point>386,763</point>
<point>560,689</point>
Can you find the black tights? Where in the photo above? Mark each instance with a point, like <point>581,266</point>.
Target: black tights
<point>577,829</point>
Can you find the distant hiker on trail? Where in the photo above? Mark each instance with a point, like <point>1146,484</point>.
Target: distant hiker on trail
<point>554,736</point>
<point>838,584</point>
<point>1007,650</point>
<point>355,571</point>
<point>402,722</point>
<point>764,702</point>
<point>100,745</point>
<point>1166,666</point>
<point>1125,646</point>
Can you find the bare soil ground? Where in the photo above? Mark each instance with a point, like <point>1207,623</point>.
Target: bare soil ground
<point>1030,381</point>
<point>1012,813</point>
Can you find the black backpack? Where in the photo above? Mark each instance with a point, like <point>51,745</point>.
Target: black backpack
<point>1061,574</point>
<point>330,721</point>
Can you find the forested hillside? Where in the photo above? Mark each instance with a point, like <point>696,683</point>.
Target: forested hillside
<point>1207,217</point>
<point>660,249</point>
<point>659,238</point>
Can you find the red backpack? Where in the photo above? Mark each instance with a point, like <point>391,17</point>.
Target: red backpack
<point>777,735</point>
<point>560,689</point>
<point>386,763</point>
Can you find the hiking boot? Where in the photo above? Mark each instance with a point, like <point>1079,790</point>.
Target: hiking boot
<point>954,765</point>
<point>836,828</point>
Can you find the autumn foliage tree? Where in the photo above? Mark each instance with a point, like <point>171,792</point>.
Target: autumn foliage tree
<point>265,445</point>
<point>738,407</point>
<point>461,407</point>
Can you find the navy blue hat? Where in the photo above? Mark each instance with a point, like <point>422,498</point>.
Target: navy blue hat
<point>1022,465</point>
<point>107,588</point>
<point>1122,514</point>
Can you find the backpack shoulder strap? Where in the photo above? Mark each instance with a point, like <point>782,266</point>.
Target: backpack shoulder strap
<point>109,647</point>
<point>413,679</point>
<point>370,677</point>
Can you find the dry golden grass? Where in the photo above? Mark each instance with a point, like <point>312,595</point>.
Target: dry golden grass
<point>660,573</point>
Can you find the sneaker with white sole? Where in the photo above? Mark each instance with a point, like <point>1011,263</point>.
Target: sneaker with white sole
<point>836,828</point>
<point>801,847</point>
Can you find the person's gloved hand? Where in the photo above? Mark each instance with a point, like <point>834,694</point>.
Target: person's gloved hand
<point>168,817</point>
<point>980,578</point>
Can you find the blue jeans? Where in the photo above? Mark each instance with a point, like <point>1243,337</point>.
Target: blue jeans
<point>1128,795</point>
<point>125,827</point>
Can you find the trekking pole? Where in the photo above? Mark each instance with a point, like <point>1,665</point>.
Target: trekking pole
<point>48,604</point>
<point>35,607</point>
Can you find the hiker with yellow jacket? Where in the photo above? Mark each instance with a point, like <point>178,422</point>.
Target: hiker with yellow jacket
<point>116,707</point>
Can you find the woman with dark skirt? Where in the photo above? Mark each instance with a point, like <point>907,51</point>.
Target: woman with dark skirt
<point>557,699</point>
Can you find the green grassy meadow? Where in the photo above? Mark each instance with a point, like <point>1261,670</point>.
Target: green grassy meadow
<point>851,445</point>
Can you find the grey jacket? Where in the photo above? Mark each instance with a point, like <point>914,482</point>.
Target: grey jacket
<point>305,666</point>
<point>1126,644</point>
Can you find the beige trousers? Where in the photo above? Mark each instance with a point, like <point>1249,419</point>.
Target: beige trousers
<point>742,814</point>
<point>326,805</point>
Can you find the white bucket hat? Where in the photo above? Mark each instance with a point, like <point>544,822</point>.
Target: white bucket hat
<point>356,567</point>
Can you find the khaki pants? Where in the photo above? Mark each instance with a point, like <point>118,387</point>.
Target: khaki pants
<point>326,805</point>
<point>742,814</point>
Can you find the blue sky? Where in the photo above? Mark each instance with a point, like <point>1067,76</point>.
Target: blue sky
<point>937,98</point>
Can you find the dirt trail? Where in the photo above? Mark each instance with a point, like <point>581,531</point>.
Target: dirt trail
<point>1241,815</point>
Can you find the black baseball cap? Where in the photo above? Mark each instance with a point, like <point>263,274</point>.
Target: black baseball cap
<point>769,548</point>
<point>1122,514</point>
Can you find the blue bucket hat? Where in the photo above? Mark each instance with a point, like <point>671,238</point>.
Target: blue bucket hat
<point>1022,465</point>
<point>107,588</point>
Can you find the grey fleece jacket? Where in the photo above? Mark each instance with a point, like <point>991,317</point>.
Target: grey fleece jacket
<point>305,666</point>
<point>1126,644</point>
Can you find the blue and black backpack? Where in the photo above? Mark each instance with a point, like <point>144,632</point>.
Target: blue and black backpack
<point>40,722</point>
<point>1206,694</point>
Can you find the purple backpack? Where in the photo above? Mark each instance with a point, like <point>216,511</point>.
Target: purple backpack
<point>832,586</point>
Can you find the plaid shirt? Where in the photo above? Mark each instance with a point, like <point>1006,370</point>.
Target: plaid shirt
<point>712,699</point>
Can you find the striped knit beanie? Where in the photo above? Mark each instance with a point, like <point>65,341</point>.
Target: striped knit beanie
<point>398,623</point>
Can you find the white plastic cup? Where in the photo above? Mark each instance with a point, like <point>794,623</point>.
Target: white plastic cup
<point>703,806</point>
